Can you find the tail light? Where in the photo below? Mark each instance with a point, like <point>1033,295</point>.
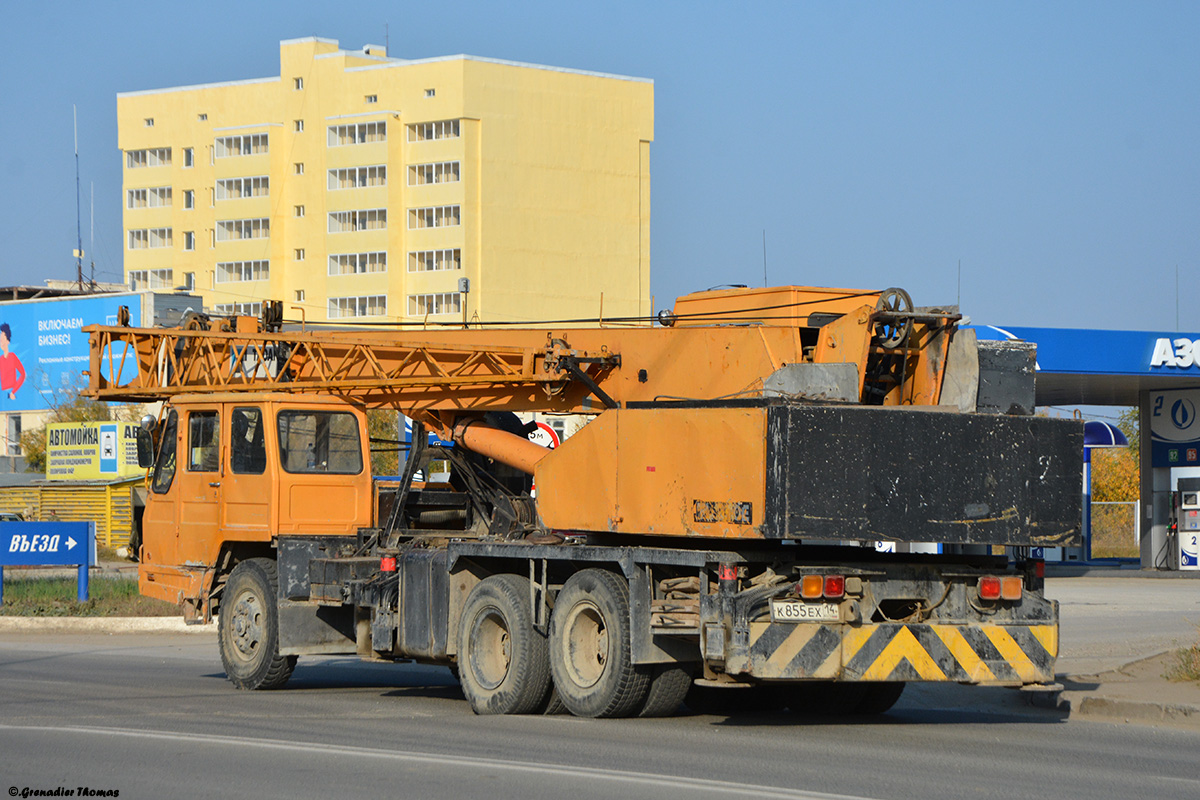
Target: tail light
<point>812,587</point>
<point>835,586</point>
<point>387,564</point>
<point>1007,588</point>
<point>989,588</point>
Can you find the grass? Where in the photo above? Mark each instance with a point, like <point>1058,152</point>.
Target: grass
<point>1187,664</point>
<point>58,597</point>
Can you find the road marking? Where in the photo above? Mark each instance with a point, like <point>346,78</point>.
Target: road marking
<point>557,771</point>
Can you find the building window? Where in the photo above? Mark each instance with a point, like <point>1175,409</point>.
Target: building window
<point>434,260</point>
<point>238,271</point>
<point>442,172</point>
<point>433,217</point>
<point>237,188</point>
<point>250,144</point>
<point>298,83</point>
<point>14,434</point>
<point>371,98</point>
<point>298,211</point>
<point>153,157</point>
<point>357,177</point>
<point>149,237</point>
<point>298,168</point>
<point>244,309</point>
<point>420,305</point>
<point>299,295</point>
<point>423,131</point>
<point>189,198</point>
<point>298,254</point>
<point>430,92</point>
<point>357,263</point>
<point>202,117</point>
<point>151,279</point>
<point>229,230</point>
<point>370,219</point>
<point>149,122</point>
<point>189,157</point>
<point>157,197</point>
<point>298,125</point>
<point>189,240</point>
<point>189,281</point>
<point>358,133</point>
<point>371,306</point>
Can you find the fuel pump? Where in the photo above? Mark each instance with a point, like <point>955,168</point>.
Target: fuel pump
<point>1185,524</point>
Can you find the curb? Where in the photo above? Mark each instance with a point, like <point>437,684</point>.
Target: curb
<point>102,625</point>
<point>1105,708</point>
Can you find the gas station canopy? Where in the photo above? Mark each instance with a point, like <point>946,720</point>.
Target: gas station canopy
<point>1076,366</point>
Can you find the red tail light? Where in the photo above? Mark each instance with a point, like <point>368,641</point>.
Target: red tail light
<point>989,588</point>
<point>835,586</point>
<point>387,564</point>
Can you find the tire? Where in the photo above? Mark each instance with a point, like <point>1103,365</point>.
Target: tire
<point>879,697</point>
<point>503,662</point>
<point>249,627</point>
<point>590,651</point>
<point>669,685</point>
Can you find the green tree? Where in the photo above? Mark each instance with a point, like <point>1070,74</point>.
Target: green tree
<point>68,407</point>
<point>381,427</point>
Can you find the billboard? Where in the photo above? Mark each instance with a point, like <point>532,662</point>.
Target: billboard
<point>43,352</point>
<point>89,451</point>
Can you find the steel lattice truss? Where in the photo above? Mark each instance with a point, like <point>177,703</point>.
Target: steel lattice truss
<point>146,364</point>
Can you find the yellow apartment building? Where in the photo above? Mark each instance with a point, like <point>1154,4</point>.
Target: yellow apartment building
<point>358,185</point>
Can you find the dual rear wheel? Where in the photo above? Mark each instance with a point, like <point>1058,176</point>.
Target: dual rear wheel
<point>585,663</point>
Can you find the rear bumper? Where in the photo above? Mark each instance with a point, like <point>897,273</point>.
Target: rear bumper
<point>969,653</point>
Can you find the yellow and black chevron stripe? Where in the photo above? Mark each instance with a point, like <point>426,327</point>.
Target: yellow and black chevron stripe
<point>901,652</point>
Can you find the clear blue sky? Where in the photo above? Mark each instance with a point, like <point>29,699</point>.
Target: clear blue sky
<point>1051,147</point>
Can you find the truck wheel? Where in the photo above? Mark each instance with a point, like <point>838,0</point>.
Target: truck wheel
<point>590,651</point>
<point>669,684</point>
<point>879,697</point>
<point>249,628</point>
<point>503,661</point>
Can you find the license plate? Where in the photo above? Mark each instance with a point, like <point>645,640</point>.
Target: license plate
<point>796,611</point>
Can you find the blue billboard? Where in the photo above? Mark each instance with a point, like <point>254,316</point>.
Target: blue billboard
<point>43,351</point>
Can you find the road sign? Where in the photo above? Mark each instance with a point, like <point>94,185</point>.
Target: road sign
<point>48,544</point>
<point>545,436</point>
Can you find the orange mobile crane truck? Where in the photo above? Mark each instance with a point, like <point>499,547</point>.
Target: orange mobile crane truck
<point>724,519</point>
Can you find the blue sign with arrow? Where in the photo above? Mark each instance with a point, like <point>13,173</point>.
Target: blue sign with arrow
<point>48,544</point>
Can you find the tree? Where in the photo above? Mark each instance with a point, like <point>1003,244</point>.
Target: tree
<point>68,407</point>
<point>1116,470</point>
<point>381,425</point>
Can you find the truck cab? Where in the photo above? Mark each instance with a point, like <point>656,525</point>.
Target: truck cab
<point>234,471</point>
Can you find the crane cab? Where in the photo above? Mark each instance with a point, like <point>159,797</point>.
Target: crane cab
<point>233,471</point>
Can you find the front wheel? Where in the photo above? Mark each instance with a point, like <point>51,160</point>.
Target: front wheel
<point>248,632</point>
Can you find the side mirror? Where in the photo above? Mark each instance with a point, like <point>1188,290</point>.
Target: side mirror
<point>145,448</point>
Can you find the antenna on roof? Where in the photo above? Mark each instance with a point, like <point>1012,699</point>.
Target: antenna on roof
<point>78,218</point>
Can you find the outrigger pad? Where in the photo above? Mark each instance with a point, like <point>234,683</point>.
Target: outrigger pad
<point>912,475</point>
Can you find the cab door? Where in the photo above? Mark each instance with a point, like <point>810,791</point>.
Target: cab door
<point>247,488</point>
<point>160,521</point>
<point>200,484</point>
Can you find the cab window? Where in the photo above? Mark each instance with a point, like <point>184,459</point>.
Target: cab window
<point>320,441</point>
<point>247,448</point>
<point>164,465</point>
<point>204,452</point>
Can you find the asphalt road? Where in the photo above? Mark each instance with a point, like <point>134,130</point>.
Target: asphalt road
<point>152,716</point>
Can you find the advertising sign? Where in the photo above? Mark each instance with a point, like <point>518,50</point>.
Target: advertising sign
<point>89,451</point>
<point>43,351</point>
<point>1174,431</point>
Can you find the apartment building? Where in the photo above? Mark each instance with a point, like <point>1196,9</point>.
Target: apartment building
<point>354,185</point>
